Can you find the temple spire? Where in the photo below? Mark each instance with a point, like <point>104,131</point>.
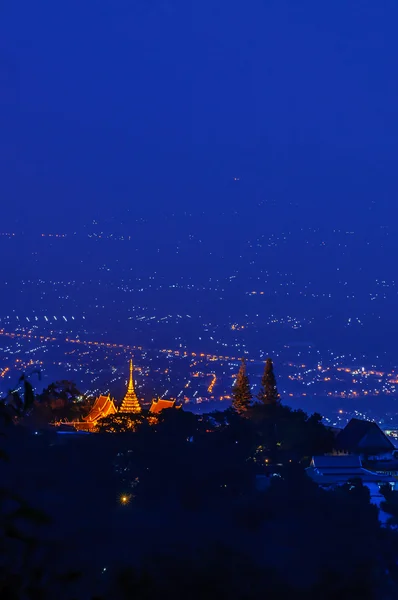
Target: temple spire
<point>130,402</point>
<point>130,387</point>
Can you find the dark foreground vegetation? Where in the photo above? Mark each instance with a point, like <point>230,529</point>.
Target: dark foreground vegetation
<point>181,506</point>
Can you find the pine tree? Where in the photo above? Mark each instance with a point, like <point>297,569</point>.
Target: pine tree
<point>241,391</point>
<point>268,393</point>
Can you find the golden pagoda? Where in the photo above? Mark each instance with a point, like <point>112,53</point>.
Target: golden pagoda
<point>130,402</point>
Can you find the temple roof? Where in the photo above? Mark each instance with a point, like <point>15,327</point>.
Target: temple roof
<point>103,406</point>
<point>158,405</point>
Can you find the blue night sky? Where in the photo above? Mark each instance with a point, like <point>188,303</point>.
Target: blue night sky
<point>155,105</point>
<point>243,146</point>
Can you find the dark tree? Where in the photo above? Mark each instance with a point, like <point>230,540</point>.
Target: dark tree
<point>26,404</point>
<point>241,391</point>
<point>29,395</point>
<point>62,392</point>
<point>268,393</point>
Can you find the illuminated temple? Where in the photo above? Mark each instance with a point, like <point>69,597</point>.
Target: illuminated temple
<point>158,405</point>
<point>104,406</point>
<point>130,402</point>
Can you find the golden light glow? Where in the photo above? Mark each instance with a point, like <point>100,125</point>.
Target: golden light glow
<point>119,346</point>
<point>125,499</point>
<point>4,372</point>
<point>236,326</point>
<point>212,384</point>
<point>130,402</point>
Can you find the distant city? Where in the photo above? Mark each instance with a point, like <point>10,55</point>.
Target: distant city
<point>188,310</point>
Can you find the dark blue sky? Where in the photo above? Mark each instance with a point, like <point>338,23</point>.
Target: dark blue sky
<point>139,114</point>
<point>155,105</point>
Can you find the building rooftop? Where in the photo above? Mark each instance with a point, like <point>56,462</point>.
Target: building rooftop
<point>103,406</point>
<point>338,469</point>
<point>363,436</point>
<point>158,405</point>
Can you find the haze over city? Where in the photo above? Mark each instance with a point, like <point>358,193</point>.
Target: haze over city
<point>198,322</point>
<point>203,181</point>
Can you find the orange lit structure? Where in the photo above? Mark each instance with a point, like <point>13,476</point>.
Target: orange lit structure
<point>158,405</point>
<point>130,402</point>
<point>102,407</point>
